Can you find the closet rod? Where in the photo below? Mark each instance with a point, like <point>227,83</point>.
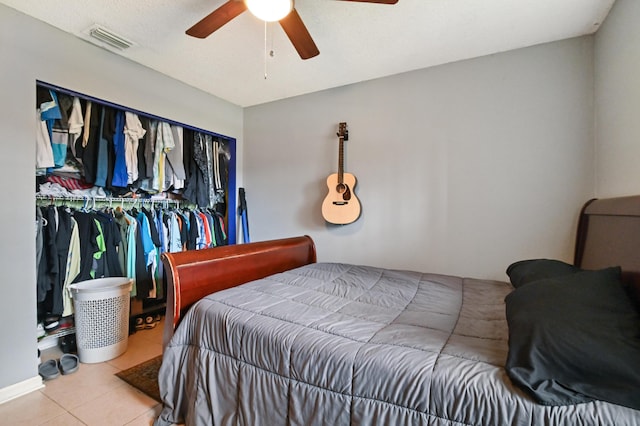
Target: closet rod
<point>140,113</point>
<point>110,200</point>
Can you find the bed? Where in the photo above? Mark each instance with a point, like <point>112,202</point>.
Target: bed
<point>261,333</point>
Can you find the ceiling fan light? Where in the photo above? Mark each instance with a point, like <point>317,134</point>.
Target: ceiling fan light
<point>269,10</point>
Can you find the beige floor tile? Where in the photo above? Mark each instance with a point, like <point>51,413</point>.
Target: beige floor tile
<point>32,409</point>
<point>139,349</point>
<point>152,334</point>
<point>117,407</point>
<point>93,395</point>
<point>147,418</point>
<point>64,420</point>
<point>86,384</point>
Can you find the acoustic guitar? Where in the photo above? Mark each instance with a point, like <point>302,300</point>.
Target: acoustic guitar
<point>341,206</point>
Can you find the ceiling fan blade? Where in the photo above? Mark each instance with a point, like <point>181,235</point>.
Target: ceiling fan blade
<point>375,1</point>
<point>217,19</point>
<point>299,35</point>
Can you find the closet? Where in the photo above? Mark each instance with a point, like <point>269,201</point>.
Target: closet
<point>115,188</point>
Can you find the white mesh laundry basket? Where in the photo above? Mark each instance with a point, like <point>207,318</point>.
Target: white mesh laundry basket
<point>101,317</point>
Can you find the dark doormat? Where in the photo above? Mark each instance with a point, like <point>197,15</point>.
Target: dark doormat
<point>144,377</point>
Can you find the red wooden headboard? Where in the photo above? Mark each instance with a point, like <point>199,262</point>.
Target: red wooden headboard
<point>194,274</point>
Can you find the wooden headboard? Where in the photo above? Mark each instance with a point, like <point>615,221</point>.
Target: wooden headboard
<point>194,274</point>
<point>609,235</point>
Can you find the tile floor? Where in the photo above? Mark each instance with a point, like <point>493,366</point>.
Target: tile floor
<point>93,395</point>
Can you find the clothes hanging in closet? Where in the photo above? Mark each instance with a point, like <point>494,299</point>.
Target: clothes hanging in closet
<point>82,244</point>
<point>92,149</point>
<point>205,184</point>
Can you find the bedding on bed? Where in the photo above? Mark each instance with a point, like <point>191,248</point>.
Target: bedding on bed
<point>531,270</point>
<point>336,344</point>
<point>574,337</point>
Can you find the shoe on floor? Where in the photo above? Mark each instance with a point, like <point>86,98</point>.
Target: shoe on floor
<point>139,324</point>
<point>150,322</point>
<point>68,344</point>
<point>69,363</point>
<point>48,370</point>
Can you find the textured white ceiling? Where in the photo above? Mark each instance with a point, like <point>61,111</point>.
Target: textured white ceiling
<point>357,41</point>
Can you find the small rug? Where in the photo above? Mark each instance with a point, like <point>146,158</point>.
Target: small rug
<point>144,377</point>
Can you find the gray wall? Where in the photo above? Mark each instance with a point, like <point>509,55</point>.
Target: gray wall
<point>617,101</point>
<point>461,168</point>
<point>30,51</point>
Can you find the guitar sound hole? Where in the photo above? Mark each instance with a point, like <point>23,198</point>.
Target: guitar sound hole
<point>341,187</point>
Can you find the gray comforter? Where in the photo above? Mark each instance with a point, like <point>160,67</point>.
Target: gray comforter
<point>335,344</point>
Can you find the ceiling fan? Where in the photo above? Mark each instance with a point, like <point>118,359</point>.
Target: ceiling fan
<point>289,20</point>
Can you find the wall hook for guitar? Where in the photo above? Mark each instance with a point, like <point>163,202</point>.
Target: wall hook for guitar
<point>341,206</point>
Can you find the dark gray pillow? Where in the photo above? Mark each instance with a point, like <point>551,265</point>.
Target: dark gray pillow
<point>574,339</point>
<point>526,271</point>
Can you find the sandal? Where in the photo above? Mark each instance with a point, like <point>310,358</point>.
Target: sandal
<point>69,363</point>
<point>49,369</point>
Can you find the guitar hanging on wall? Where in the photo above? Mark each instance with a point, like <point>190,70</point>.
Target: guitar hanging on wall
<point>341,206</point>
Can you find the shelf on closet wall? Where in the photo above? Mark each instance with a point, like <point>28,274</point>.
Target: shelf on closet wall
<point>51,340</point>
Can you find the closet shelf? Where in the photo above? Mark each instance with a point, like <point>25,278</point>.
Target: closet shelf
<point>50,340</point>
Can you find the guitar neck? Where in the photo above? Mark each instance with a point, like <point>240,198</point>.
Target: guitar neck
<point>341,161</point>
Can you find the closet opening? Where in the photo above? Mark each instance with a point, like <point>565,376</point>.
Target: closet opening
<point>115,188</point>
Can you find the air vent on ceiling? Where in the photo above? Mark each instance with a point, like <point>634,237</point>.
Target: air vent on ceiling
<point>109,37</point>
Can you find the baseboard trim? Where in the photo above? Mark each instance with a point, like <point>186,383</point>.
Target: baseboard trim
<point>22,388</point>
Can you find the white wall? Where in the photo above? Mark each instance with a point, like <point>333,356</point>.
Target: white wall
<point>30,51</point>
<point>461,168</point>
<point>617,95</point>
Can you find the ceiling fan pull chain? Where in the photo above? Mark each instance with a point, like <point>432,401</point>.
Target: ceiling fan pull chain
<point>271,50</point>
<point>265,50</point>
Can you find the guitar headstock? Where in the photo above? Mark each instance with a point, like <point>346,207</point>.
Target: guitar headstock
<point>343,133</point>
